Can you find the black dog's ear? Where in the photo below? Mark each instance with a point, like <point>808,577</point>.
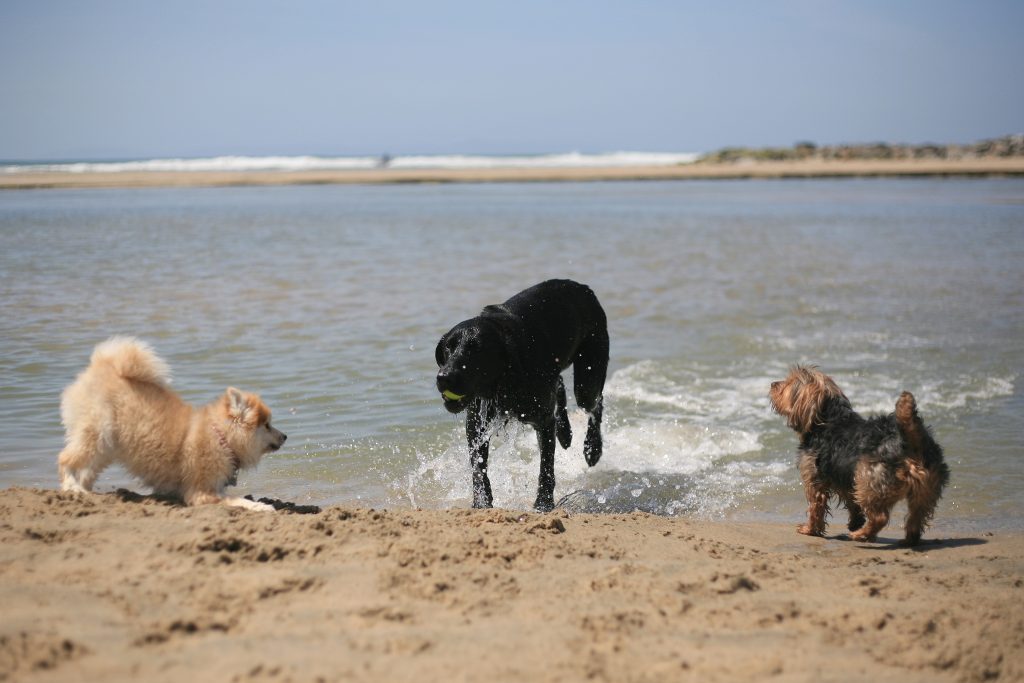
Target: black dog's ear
<point>498,333</point>
<point>438,351</point>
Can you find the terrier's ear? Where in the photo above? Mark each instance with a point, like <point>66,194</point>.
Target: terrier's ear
<point>811,391</point>
<point>806,404</point>
<point>238,404</point>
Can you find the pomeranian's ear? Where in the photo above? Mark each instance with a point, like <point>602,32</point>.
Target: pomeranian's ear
<point>238,404</point>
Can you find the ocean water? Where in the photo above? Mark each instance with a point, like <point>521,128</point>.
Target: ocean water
<point>329,300</point>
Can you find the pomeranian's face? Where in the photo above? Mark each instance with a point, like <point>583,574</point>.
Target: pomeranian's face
<point>269,438</point>
<point>248,411</point>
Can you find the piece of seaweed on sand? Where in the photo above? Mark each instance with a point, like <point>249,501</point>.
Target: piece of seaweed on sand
<point>287,506</point>
<point>278,505</point>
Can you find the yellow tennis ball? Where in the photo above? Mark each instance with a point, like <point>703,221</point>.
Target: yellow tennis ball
<point>452,396</point>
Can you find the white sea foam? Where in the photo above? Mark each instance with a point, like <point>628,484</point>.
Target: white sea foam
<point>568,160</point>
<point>693,394</point>
<point>322,163</point>
<point>643,459</point>
<point>225,163</point>
<point>676,441</point>
<point>877,393</point>
<point>951,396</point>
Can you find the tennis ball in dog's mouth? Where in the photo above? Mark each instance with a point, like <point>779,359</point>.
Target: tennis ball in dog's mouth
<point>452,396</point>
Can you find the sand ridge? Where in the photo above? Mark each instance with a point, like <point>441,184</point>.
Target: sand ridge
<point>985,166</point>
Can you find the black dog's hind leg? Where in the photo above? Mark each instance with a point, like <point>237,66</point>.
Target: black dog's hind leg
<point>562,427</point>
<point>546,483</point>
<point>479,447</point>
<point>588,374</point>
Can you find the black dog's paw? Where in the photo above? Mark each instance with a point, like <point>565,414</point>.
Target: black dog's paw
<point>482,497</point>
<point>545,504</point>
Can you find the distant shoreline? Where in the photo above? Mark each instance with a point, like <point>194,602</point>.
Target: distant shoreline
<point>976,167</point>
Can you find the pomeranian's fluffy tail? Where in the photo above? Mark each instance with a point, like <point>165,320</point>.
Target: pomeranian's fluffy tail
<point>133,359</point>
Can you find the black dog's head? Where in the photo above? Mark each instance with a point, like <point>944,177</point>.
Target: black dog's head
<point>472,357</point>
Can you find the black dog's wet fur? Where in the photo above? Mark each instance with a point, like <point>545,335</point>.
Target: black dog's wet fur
<point>506,363</point>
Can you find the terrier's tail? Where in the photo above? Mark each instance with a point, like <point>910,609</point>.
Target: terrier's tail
<point>910,423</point>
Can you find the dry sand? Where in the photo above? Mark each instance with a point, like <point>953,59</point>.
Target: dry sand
<point>119,588</point>
<point>701,171</point>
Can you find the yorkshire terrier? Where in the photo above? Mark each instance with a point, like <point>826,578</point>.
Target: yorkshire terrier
<point>869,464</point>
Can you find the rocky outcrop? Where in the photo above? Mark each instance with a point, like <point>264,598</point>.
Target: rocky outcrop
<point>1006,146</point>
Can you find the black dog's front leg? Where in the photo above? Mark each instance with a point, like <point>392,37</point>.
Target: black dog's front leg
<point>479,446</point>
<point>546,483</point>
<point>593,444</point>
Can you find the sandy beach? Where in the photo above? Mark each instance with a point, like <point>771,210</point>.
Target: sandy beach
<point>116,587</point>
<point>701,171</point>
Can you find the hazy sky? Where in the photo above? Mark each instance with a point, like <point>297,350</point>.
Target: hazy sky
<point>138,78</point>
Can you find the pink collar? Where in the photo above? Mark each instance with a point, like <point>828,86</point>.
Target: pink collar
<point>236,461</point>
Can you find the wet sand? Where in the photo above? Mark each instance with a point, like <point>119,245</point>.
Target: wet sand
<point>698,171</point>
<point>118,587</point>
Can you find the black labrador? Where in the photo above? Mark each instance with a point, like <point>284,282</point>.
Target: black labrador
<point>507,363</point>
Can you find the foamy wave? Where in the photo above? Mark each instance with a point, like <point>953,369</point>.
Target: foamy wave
<point>676,441</point>
<point>650,465</point>
<point>877,393</point>
<point>319,163</point>
<point>693,395</point>
<point>964,391</point>
<point>677,448</point>
<point>228,163</point>
<point>569,160</point>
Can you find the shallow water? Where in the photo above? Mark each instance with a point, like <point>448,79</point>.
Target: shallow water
<point>329,300</point>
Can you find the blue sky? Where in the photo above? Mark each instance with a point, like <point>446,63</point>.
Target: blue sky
<point>127,79</point>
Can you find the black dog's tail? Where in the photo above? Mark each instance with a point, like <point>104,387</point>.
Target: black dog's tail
<point>910,424</point>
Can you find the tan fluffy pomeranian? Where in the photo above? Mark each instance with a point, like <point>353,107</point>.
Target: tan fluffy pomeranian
<point>120,409</point>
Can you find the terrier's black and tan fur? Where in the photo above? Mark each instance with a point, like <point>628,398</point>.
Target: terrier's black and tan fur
<point>869,464</point>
